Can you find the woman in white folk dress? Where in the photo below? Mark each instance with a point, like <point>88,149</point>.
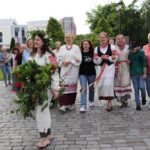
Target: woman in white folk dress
<point>104,55</point>
<point>122,76</point>
<point>69,59</point>
<point>41,54</point>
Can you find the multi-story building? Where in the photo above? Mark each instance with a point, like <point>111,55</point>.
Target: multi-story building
<point>37,25</point>
<point>68,25</point>
<point>19,33</point>
<point>9,29</point>
<point>6,30</point>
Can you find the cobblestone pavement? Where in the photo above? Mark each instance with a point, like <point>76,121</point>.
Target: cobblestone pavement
<point>121,129</point>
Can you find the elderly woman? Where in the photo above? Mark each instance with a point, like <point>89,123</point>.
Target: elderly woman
<point>122,78</point>
<point>147,54</point>
<point>105,57</point>
<point>5,65</point>
<point>69,59</point>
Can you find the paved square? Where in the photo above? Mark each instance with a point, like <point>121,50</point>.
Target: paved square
<point>121,129</point>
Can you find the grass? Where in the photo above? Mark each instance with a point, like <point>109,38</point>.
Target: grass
<point>1,76</point>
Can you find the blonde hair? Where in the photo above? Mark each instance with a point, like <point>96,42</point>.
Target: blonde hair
<point>120,35</point>
<point>69,34</point>
<point>27,41</point>
<point>103,33</point>
<point>58,42</point>
<point>148,36</point>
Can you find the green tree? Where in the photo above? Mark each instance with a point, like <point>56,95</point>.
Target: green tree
<point>54,30</point>
<point>92,37</point>
<point>12,43</point>
<point>129,19</point>
<point>103,18</point>
<point>146,21</point>
<point>132,23</point>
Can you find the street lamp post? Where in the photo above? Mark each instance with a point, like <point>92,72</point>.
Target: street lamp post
<point>118,8</point>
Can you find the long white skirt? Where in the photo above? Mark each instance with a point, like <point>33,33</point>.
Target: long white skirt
<point>105,86</point>
<point>43,118</point>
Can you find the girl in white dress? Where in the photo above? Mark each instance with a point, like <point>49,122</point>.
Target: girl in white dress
<point>42,56</point>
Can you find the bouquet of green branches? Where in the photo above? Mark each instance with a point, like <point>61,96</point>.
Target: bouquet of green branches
<point>35,80</point>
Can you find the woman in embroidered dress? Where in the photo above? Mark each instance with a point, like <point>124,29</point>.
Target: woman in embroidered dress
<point>41,54</point>
<point>104,55</point>
<point>69,59</point>
<point>122,77</point>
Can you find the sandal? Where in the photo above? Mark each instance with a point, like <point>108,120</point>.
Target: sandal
<point>109,108</point>
<point>44,142</point>
<point>50,138</point>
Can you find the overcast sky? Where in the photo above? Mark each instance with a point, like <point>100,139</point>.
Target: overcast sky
<point>31,10</point>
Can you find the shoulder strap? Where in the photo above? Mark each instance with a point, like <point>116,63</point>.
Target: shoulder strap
<point>98,51</point>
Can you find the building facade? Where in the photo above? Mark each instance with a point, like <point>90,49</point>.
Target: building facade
<point>68,25</point>
<point>6,26</point>
<point>37,25</point>
<point>9,29</point>
<point>19,33</point>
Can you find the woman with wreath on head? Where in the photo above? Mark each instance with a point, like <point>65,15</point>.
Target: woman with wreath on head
<point>42,56</point>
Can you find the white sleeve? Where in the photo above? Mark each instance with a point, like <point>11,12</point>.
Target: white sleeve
<point>59,56</point>
<point>77,57</point>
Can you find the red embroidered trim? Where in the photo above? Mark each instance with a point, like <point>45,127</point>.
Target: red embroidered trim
<point>106,98</point>
<point>68,48</point>
<point>120,91</point>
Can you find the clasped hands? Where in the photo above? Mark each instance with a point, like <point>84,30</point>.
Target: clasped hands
<point>106,57</point>
<point>67,63</point>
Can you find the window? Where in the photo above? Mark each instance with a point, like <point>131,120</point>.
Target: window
<point>1,37</point>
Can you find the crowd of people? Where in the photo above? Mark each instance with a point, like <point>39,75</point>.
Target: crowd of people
<point>107,69</point>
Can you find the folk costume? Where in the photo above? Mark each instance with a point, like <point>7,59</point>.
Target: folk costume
<point>69,74</point>
<point>105,78</point>
<point>43,118</point>
<point>122,76</point>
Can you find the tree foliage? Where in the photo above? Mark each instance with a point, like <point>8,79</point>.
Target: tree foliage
<point>146,18</point>
<point>103,18</point>
<point>133,21</point>
<point>54,30</point>
<point>12,43</point>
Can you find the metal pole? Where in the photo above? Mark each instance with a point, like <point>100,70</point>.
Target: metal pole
<point>119,20</point>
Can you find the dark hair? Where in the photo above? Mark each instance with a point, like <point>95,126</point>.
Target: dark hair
<point>91,48</point>
<point>133,44</point>
<point>15,48</point>
<point>45,48</point>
